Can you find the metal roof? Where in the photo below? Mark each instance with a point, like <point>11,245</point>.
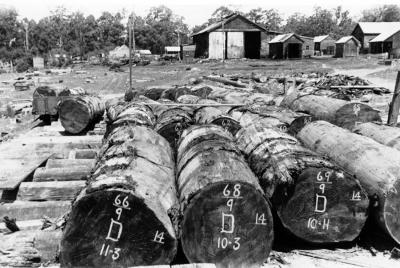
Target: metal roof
<point>320,38</point>
<point>378,27</point>
<point>345,39</point>
<point>227,19</point>
<point>385,35</point>
<point>283,37</point>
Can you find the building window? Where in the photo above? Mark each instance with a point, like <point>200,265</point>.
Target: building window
<point>307,47</point>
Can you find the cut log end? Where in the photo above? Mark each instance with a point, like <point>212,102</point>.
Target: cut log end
<point>391,212</point>
<point>228,223</point>
<point>352,114</point>
<point>325,206</point>
<point>115,228</point>
<point>74,116</point>
<point>228,123</point>
<point>298,123</point>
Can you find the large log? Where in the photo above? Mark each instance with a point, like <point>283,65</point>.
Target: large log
<point>376,166</point>
<point>79,113</point>
<point>226,219</point>
<point>303,187</point>
<point>122,218</point>
<point>213,115</point>
<point>339,112</point>
<point>386,135</point>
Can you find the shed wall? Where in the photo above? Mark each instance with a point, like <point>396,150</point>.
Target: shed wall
<point>235,45</point>
<point>216,45</point>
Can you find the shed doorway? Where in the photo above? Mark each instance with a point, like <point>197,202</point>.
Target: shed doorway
<point>294,50</point>
<point>252,45</point>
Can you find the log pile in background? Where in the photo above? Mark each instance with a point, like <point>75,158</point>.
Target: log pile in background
<point>315,199</point>
<point>339,112</point>
<point>226,219</point>
<point>122,217</point>
<point>376,166</point>
<point>80,113</point>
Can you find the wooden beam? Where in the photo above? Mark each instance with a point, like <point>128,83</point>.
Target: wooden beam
<point>71,173</point>
<point>15,171</point>
<point>49,190</point>
<point>395,104</point>
<point>22,210</point>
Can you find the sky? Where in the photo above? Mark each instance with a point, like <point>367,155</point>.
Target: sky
<point>194,12</point>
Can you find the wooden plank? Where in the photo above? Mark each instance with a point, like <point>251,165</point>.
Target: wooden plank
<point>51,190</point>
<point>65,163</point>
<point>395,104</point>
<point>29,210</point>
<point>72,173</point>
<point>15,171</point>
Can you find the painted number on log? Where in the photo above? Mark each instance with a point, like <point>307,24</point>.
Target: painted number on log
<point>228,219</point>
<point>115,228</point>
<point>260,219</point>
<point>159,237</point>
<point>356,196</point>
<point>323,178</point>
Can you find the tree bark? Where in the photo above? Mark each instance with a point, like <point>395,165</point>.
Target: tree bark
<point>80,113</point>
<point>226,219</point>
<point>386,135</point>
<point>339,112</point>
<point>303,187</point>
<point>376,166</point>
<point>122,218</point>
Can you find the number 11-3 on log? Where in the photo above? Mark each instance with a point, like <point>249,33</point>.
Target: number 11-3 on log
<point>106,249</point>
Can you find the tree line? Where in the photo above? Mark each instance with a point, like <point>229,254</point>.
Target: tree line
<point>75,34</point>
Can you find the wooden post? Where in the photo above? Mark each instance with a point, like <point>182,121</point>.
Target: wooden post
<point>395,104</point>
<point>129,93</point>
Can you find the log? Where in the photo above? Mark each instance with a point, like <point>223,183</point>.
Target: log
<point>80,113</point>
<point>224,81</point>
<point>303,187</point>
<point>49,190</point>
<point>339,112</point>
<point>122,218</point>
<point>271,117</point>
<point>386,135</point>
<point>376,166</point>
<point>29,248</point>
<point>226,219</point>
<point>71,173</point>
<point>172,122</point>
<point>66,163</point>
<point>213,115</point>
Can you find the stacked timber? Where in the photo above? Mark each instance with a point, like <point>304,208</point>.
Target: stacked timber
<point>122,218</point>
<point>303,187</point>
<point>339,112</point>
<point>79,113</point>
<point>226,219</point>
<point>376,166</point>
<point>386,135</point>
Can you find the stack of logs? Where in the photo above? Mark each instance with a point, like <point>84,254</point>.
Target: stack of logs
<point>182,166</point>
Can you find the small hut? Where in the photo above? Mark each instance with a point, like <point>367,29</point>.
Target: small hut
<point>286,46</point>
<point>324,45</point>
<point>347,46</point>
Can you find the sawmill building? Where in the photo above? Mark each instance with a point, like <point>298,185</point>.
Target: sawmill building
<point>233,37</point>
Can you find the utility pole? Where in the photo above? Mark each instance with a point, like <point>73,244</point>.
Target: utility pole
<point>131,37</point>
<point>26,27</point>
